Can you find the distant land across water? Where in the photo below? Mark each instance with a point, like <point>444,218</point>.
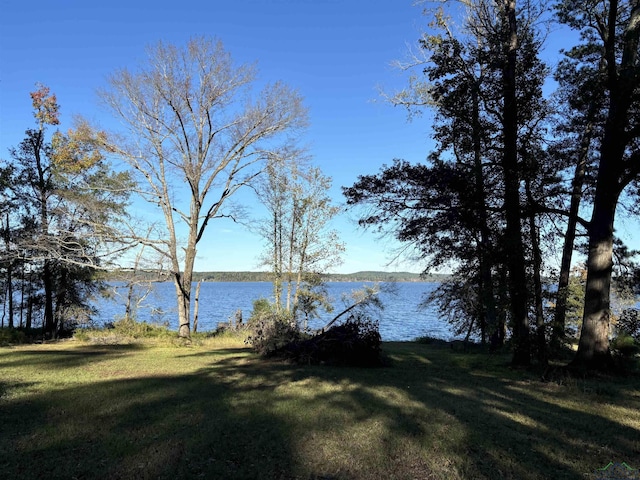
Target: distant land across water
<point>365,276</point>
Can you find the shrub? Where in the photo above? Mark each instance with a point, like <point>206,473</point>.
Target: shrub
<point>124,330</point>
<point>12,336</point>
<point>131,328</point>
<point>625,350</point>
<point>427,340</point>
<point>629,323</point>
<point>262,307</point>
<point>269,333</point>
<point>356,342</point>
<point>624,345</point>
<point>269,329</point>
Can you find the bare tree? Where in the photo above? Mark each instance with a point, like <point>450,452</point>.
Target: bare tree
<point>300,245</point>
<point>194,137</point>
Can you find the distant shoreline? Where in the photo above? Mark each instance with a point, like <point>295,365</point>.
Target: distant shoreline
<point>246,276</point>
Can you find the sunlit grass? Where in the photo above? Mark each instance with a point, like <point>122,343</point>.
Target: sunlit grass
<point>212,409</point>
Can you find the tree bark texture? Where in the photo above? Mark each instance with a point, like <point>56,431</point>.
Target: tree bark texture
<point>511,172</point>
<point>614,173</point>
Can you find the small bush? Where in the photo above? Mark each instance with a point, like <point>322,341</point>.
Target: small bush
<point>269,333</point>
<point>427,340</point>
<point>268,329</point>
<point>356,342</point>
<point>629,323</point>
<point>262,307</point>
<point>124,330</point>
<point>12,336</point>
<point>128,327</point>
<point>20,336</point>
<point>624,345</point>
<point>625,349</point>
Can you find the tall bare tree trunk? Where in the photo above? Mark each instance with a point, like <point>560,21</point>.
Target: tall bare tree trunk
<point>277,261</point>
<point>513,232</point>
<point>559,321</point>
<point>541,340</point>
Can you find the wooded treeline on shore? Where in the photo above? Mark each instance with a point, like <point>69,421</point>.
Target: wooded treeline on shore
<point>251,276</point>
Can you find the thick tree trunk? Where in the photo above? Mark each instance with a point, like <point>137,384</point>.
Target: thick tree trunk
<point>183,294</point>
<point>513,232</point>
<point>593,349</point>
<point>613,176</point>
<point>184,280</point>
<point>183,286</point>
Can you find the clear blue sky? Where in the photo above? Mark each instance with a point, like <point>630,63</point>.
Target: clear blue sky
<point>337,53</point>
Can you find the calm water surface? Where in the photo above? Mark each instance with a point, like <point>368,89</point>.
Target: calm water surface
<point>401,319</point>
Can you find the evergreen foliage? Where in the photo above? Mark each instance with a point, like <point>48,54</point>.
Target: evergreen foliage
<point>63,205</point>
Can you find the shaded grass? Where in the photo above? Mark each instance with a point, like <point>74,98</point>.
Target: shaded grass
<point>215,410</point>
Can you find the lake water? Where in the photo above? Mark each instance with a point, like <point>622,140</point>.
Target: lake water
<point>401,319</point>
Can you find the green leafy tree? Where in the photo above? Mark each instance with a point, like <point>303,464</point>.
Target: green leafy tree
<point>68,202</point>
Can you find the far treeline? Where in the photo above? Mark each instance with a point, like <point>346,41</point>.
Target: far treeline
<point>372,276</point>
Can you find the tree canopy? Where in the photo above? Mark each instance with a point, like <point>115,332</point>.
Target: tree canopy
<point>510,169</point>
<point>196,133</point>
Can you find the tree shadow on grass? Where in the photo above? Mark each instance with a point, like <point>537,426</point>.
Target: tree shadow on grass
<point>167,427</point>
<point>438,417</point>
<point>78,356</point>
<point>220,352</point>
<point>429,415</point>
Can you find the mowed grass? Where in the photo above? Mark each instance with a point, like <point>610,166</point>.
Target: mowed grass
<point>216,410</point>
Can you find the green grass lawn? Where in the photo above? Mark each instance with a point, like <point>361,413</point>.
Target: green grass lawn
<point>215,410</point>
